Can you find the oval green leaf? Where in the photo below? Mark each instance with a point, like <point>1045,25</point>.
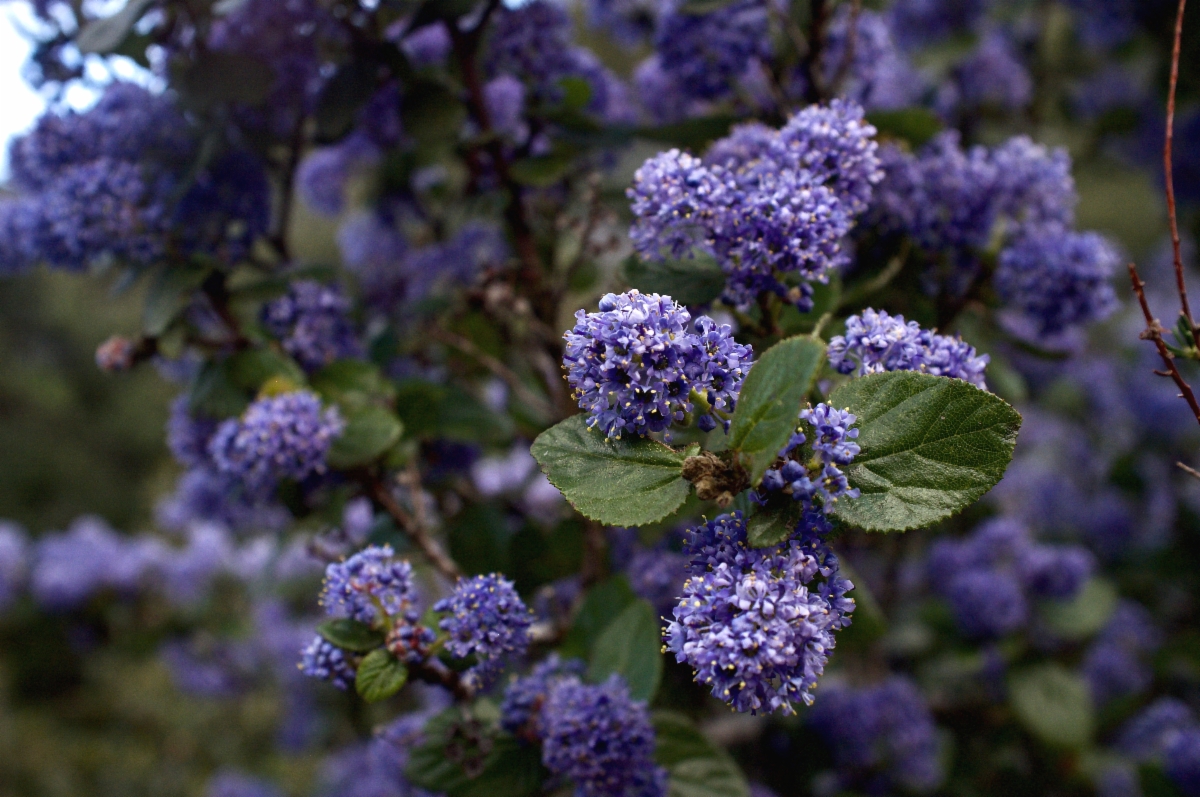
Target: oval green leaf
<point>632,481</point>
<point>1053,704</point>
<point>631,646</point>
<point>931,446</point>
<point>369,432</point>
<point>768,408</point>
<point>350,635</point>
<point>697,767</point>
<point>380,675</point>
<point>691,281</point>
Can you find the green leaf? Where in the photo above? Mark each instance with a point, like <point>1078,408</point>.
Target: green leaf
<point>693,281</point>
<point>432,112</point>
<point>253,368</point>
<point>632,481</point>
<point>433,411</point>
<point>931,446</point>
<point>480,539</point>
<point>105,35</point>
<point>1053,704</point>
<point>631,646</point>
<point>697,767</point>
<point>463,756</point>
<point>693,134</point>
<point>214,393</point>
<point>351,635</point>
<point>576,91</point>
<point>351,383</point>
<point>914,125</point>
<point>369,432</point>
<point>1085,614</point>
<point>774,523</point>
<point>380,675</point>
<point>541,171</point>
<point>169,294</point>
<point>601,604</point>
<point>768,407</point>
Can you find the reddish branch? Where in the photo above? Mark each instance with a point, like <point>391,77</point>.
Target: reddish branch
<point>1154,332</point>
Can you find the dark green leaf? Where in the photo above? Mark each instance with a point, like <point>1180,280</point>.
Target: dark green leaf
<point>694,134</point>
<point>351,86</point>
<point>432,113</point>
<point>380,675</point>
<point>631,646</point>
<point>541,171</point>
<point>444,411</point>
<point>480,539</point>
<point>628,482</point>
<point>601,604</point>
<point>169,295</point>
<point>577,92</point>
<point>351,635</point>
<point>462,756</point>
<point>512,769</point>
<point>931,446</point>
<point>369,432</point>
<point>217,76</point>
<point>697,767</point>
<point>914,125</point>
<point>214,393</point>
<point>1054,704</point>
<point>774,523</point>
<point>351,383</point>
<point>538,556</point>
<point>768,408</point>
<point>105,35</point>
<point>1085,614</point>
<point>253,368</point>
<point>692,281</point>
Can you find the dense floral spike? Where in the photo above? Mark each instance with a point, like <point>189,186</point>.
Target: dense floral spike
<point>521,709</point>
<point>328,662</point>
<point>311,321</point>
<point>281,437</point>
<point>601,740</point>
<point>916,23</point>
<point>991,77</point>
<point>1058,279</point>
<point>753,623</point>
<point>630,22</point>
<point>486,619</point>
<point>812,474</point>
<point>204,494</point>
<point>706,53</point>
<point>991,576</point>
<point>875,342</point>
<point>882,737</point>
<point>771,206</point>
<point>875,73</point>
<point>188,433</point>
<point>635,364</point>
<point>369,582</point>
<point>1117,663</point>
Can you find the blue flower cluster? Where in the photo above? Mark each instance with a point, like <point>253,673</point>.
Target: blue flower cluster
<point>990,576</point>
<point>311,322</point>
<point>1166,733</point>
<point>873,71</point>
<point>640,365</point>
<point>883,737</point>
<point>278,437</point>
<point>705,53</point>
<point>875,342</point>
<point>372,587</point>
<point>327,662</point>
<point>1116,663</point>
<point>752,622</point>
<point>485,619</point>
<point>1014,205</point>
<point>595,736</point>
<point>816,480</point>
<point>773,207</point>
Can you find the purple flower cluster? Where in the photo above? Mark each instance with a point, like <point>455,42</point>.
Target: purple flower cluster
<point>486,619</point>
<point>600,739</point>
<point>368,583</point>
<point>70,567</point>
<point>638,365</point>
<point>311,321</point>
<point>1115,664</point>
<point>234,784</point>
<point>917,23</point>
<point>990,576</point>
<point>993,76</point>
<point>752,622</point>
<point>706,53</point>
<point>525,697</point>
<point>534,43</point>
<point>327,662</point>
<point>657,576</point>
<point>630,22</point>
<point>1015,203</point>
<point>875,74</point>
<point>1165,732</point>
<point>882,737</point>
<point>771,206</point>
<point>875,342</point>
<point>278,437</point>
<point>812,475</point>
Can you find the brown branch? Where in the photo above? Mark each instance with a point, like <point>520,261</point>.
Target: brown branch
<point>1187,470</point>
<point>377,491</point>
<point>1154,332</point>
<point>1168,170</point>
<point>498,369</point>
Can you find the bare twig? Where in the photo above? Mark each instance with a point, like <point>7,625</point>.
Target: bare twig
<point>1168,170</point>
<point>1187,470</point>
<point>379,494</point>
<point>539,404</point>
<point>1154,332</point>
